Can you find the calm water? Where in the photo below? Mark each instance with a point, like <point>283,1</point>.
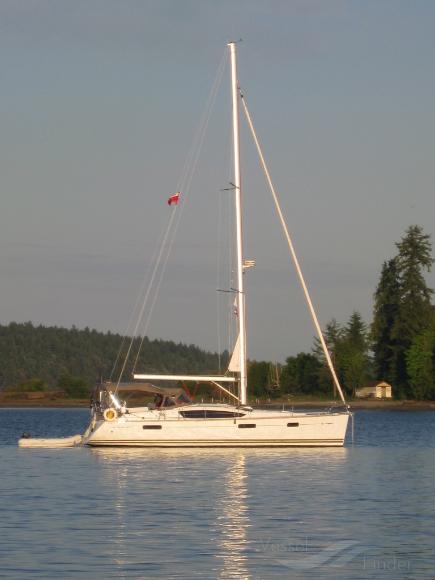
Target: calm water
<point>364,511</point>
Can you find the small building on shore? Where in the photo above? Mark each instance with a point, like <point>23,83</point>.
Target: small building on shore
<point>375,390</point>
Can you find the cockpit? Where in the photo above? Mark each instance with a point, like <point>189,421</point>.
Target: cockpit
<point>134,395</point>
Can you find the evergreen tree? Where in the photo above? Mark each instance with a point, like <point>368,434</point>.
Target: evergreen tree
<point>415,313</point>
<point>349,350</point>
<point>354,360</point>
<point>300,375</point>
<point>385,312</point>
<point>356,332</point>
<point>420,364</point>
<point>258,378</point>
<point>333,335</point>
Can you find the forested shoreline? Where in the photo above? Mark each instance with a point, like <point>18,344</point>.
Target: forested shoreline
<point>398,346</point>
<point>35,358</point>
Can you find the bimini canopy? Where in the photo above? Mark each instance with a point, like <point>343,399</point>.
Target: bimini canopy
<point>144,388</point>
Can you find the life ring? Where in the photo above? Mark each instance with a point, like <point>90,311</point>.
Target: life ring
<point>109,414</point>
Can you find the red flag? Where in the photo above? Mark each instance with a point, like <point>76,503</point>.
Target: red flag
<point>174,198</point>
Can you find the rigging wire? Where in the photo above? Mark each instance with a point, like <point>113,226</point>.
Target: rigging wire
<point>187,189</point>
<point>218,279</point>
<point>184,184</point>
<point>224,260</point>
<point>205,113</point>
<point>189,173</point>
<point>145,300</point>
<point>153,302</point>
<point>292,250</point>
<point>140,294</point>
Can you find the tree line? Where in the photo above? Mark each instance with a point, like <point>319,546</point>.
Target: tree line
<point>72,360</point>
<point>398,346</point>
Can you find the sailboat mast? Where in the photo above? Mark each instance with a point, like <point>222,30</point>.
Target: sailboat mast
<point>239,228</point>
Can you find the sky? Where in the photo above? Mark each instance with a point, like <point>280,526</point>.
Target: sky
<point>100,104</point>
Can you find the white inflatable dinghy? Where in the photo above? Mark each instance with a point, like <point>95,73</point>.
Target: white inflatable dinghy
<point>73,441</point>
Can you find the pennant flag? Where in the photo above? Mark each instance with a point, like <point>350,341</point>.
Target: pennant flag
<point>174,198</point>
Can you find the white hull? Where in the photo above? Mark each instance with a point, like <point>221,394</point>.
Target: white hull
<point>255,429</point>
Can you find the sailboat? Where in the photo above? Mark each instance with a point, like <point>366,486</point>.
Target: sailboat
<point>172,419</point>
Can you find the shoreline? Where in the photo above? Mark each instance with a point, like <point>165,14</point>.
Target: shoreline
<point>373,405</point>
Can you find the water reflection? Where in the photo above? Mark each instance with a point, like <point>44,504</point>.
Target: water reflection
<point>208,513</point>
<point>120,488</point>
<point>232,520</point>
<point>199,501</point>
<point>127,454</point>
<point>172,504</point>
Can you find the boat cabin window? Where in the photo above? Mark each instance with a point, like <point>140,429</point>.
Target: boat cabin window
<point>210,414</point>
<point>167,401</point>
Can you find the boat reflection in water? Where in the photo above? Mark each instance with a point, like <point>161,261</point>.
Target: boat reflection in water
<point>232,520</point>
<point>180,509</point>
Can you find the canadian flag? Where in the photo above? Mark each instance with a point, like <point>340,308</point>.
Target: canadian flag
<point>174,198</point>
